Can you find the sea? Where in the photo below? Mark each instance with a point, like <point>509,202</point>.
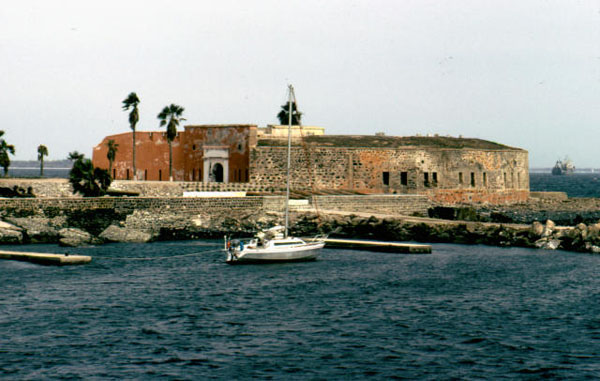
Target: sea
<point>176,311</point>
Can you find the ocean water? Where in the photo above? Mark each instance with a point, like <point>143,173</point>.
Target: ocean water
<point>175,310</point>
<point>575,185</point>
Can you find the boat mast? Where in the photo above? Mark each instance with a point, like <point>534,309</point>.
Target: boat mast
<point>289,149</point>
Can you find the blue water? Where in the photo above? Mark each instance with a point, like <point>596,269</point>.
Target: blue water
<point>575,185</point>
<point>177,311</point>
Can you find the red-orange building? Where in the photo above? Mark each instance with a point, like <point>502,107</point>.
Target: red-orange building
<point>219,153</point>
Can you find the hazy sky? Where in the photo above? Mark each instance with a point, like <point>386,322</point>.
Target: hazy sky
<point>520,72</point>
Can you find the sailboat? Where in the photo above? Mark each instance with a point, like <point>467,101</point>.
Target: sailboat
<point>274,245</point>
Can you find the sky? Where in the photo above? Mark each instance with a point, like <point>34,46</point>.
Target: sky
<point>525,73</point>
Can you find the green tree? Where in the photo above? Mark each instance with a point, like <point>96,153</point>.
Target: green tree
<point>283,115</point>
<point>111,154</point>
<point>87,180</point>
<point>73,156</point>
<point>42,151</point>
<point>5,149</point>
<point>131,102</point>
<point>171,116</point>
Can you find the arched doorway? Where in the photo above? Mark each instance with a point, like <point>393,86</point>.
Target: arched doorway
<point>217,173</point>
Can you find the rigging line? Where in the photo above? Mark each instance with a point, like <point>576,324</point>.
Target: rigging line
<point>166,257</point>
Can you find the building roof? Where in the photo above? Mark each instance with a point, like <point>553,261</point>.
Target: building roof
<point>366,141</point>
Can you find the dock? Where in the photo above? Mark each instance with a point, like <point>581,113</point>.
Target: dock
<point>379,246</point>
<point>46,258</point>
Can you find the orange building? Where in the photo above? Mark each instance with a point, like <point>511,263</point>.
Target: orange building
<point>208,153</point>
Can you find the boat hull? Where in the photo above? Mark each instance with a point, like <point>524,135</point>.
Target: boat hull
<point>308,252</point>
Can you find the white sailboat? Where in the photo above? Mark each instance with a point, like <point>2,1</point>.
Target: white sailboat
<point>275,245</point>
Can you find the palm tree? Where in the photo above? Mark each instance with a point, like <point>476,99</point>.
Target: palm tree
<point>171,116</point>
<point>87,180</point>
<point>42,151</point>
<point>132,102</point>
<point>74,156</point>
<point>111,154</point>
<point>5,149</point>
<point>283,115</point>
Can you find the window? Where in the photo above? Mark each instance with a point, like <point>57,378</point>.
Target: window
<point>145,174</point>
<point>505,185</point>
<point>484,179</point>
<point>246,175</point>
<point>114,173</point>
<point>404,178</point>
<point>426,179</point>
<point>518,180</point>
<point>128,174</point>
<point>386,178</point>
<point>159,175</point>
<point>434,179</point>
<point>472,179</point>
<point>460,178</point>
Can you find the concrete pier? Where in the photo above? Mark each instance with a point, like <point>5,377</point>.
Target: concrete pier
<point>46,258</point>
<point>379,246</point>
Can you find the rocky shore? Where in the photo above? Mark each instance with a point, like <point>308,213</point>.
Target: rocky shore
<point>464,225</point>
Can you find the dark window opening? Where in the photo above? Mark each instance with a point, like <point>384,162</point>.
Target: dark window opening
<point>386,178</point>
<point>145,174</point>
<point>460,178</point>
<point>505,185</point>
<point>127,174</point>
<point>434,178</point>
<point>114,173</point>
<point>404,178</point>
<point>160,175</point>
<point>193,147</point>
<point>484,179</point>
<point>426,179</point>
<point>472,179</point>
<point>247,177</point>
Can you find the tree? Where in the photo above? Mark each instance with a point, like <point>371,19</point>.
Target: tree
<point>42,151</point>
<point>111,154</point>
<point>171,116</point>
<point>131,102</point>
<point>73,156</point>
<point>5,149</point>
<point>283,115</point>
<point>87,180</point>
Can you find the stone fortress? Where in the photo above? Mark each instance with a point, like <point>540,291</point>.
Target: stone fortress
<point>446,170</point>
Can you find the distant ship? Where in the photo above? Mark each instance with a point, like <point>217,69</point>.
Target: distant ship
<point>563,167</point>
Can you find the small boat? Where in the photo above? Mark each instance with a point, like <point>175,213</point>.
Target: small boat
<point>565,167</point>
<point>271,246</point>
<point>274,244</point>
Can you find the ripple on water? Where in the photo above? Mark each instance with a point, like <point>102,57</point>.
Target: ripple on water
<point>462,312</point>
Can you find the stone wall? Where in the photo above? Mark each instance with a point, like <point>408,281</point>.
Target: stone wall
<point>384,204</point>
<point>487,175</point>
<point>41,187</point>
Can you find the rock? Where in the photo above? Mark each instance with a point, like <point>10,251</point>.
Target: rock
<point>547,244</point>
<point>75,237</point>
<point>583,230</point>
<point>550,225</point>
<point>537,228</point>
<point>40,229</point>
<point>10,233</point>
<point>115,233</point>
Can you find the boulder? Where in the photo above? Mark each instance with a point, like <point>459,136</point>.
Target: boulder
<point>548,228</point>
<point>40,229</point>
<point>547,244</point>
<point>537,229</point>
<point>10,233</point>
<point>115,233</point>
<point>75,237</point>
